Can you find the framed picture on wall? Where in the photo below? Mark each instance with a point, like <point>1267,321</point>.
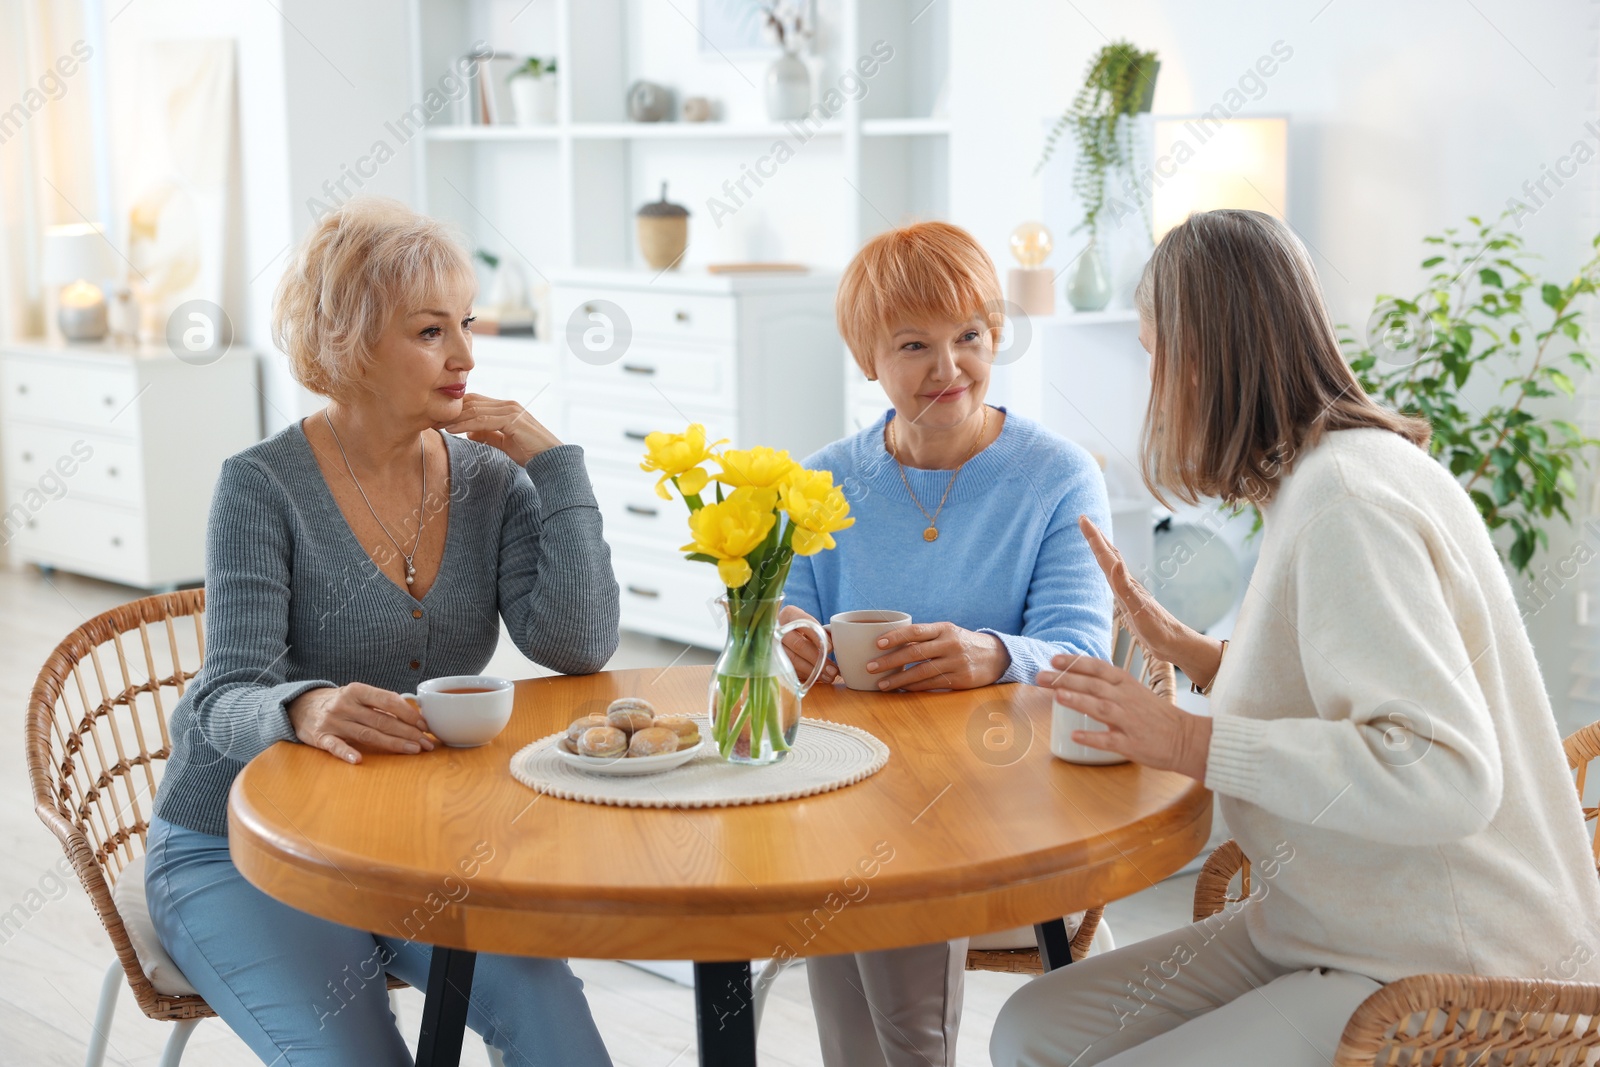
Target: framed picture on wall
<point>734,27</point>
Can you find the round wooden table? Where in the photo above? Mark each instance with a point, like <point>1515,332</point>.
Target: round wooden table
<point>972,827</point>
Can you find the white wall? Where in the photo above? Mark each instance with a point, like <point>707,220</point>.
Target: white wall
<point>1404,117</point>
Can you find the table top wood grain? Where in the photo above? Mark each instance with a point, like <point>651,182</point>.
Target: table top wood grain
<point>972,827</point>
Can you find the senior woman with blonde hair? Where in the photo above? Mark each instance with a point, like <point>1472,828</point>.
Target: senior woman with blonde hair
<point>1381,743</point>
<point>966,519</point>
<point>354,554</point>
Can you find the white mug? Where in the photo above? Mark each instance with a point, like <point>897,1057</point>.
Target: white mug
<point>855,643</point>
<point>464,710</point>
<point>1065,720</point>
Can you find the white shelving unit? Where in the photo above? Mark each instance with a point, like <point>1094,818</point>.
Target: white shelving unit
<point>564,195</point>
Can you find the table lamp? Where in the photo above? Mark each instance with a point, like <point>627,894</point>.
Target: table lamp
<point>1219,163</point>
<point>77,258</point>
<point>1031,285</point>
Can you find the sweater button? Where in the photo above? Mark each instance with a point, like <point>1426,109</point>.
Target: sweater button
<point>416,665</point>
<point>416,613</point>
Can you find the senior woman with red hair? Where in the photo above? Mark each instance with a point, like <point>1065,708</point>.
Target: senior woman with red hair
<point>966,519</point>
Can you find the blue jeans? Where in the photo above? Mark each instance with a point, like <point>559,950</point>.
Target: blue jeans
<point>305,992</point>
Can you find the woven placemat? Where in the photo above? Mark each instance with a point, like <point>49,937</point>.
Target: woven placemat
<point>826,756</point>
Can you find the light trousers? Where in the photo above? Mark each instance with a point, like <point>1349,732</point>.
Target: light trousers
<point>1201,996</point>
<point>305,992</point>
<point>899,1007</point>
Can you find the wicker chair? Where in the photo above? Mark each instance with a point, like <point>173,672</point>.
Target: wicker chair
<point>1446,1020</point>
<point>1128,653</point>
<point>96,742</point>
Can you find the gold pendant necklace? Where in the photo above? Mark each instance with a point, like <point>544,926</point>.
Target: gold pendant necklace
<point>932,532</point>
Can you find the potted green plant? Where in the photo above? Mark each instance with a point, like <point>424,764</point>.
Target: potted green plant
<point>1120,83</point>
<point>533,92</point>
<point>1484,312</point>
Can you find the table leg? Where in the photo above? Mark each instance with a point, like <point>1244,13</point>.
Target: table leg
<point>725,1014</point>
<point>1055,947</point>
<point>444,1013</point>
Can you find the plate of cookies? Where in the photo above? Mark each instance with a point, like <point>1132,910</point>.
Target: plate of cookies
<point>630,739</point>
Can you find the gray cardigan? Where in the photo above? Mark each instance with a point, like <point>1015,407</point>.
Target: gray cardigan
<point>293,602</point>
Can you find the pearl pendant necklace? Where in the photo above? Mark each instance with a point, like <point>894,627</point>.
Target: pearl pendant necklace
<point>411,570</point>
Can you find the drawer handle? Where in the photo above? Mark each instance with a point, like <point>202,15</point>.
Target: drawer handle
<point>110,401</point>
<point>27,457</point>
<point>634,435</point>
<point>33,524</point>
<point>638,368</point>
<point>635,509</point>
<point>23,389</point>
<point>681,316</point>
<point>116,542</point>
<point>111,472</point>
<point>640,591</point>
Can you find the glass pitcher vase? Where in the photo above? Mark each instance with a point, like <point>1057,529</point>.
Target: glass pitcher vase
<point>755,695</point>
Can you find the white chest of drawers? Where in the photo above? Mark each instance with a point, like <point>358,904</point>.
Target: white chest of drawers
<point>754,357</point>
<point>110,456</point>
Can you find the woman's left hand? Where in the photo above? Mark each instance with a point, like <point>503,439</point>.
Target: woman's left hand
<point>1139,724</point>
<point>504,424</point>
<point>946,657</point>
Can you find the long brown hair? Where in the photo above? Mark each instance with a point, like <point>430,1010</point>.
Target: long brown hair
<point>1247,369</point>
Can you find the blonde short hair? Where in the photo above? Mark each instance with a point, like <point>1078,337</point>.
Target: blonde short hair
<point>928,270</point>
<point>359,264</point>
<point>1247,370</point>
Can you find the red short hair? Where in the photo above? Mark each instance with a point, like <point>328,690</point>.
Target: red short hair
<point>928,270</point>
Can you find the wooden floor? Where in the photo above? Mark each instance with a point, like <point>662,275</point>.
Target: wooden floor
<point>53,952</point>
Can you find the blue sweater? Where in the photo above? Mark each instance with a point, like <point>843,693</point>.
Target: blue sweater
<point>1010,559</point>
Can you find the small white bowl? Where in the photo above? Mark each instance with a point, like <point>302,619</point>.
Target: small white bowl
<point>629,766</point>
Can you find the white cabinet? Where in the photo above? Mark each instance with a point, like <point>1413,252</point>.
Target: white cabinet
<point>752,356</point>
<point>110,456</point>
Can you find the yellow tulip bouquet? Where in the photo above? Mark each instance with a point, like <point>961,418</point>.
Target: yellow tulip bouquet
<point>768,509</point>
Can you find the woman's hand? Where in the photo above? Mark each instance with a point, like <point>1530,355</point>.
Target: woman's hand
<point>946,657</point>
<point>803,651</point>
<point>1192,652</point>
<point>504,424</point>
<point>376,720</point>
<point>1139,724</point>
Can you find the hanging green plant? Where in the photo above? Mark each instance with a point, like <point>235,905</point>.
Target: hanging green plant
<point>1120,83</point>
<point>1484,309</point>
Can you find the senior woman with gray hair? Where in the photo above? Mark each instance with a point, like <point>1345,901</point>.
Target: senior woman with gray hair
<point>354,554</point>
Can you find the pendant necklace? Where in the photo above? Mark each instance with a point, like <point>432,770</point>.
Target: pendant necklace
<point>932,532</point>
<point>411,570</point>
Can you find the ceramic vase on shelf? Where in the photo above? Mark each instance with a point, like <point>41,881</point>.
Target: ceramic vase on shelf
<point>788,88</point>
<point>1089,285</point>
<point>754,702</point>
<point>533,99</point>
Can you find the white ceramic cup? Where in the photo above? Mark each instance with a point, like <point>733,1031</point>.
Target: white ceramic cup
<point>1065,720</point>
<point>464,719</point>
<point>855,643</point>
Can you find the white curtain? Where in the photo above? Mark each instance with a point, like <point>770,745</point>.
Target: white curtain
<point>50,171</point>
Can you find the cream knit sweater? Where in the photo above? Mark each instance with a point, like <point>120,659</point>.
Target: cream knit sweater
<point>1383,745</point>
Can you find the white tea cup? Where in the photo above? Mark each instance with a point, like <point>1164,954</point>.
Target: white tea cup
<point>464,710</point>
<point>1065,720</point>
<point>855,643</point>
